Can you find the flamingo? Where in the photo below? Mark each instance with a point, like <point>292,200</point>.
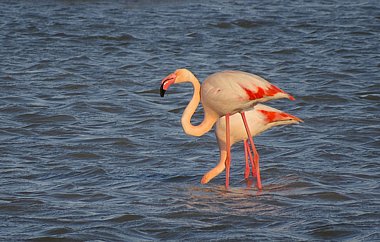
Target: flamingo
<point>259,119</point>
<point>223,94</point>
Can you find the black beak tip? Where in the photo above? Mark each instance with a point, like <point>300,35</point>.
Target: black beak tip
<point>162,91</point>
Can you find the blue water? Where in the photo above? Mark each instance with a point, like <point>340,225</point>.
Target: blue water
<point>91,152</point>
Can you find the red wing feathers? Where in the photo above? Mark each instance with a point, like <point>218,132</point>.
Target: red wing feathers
<point>278,116</point>
<point>260,92</point>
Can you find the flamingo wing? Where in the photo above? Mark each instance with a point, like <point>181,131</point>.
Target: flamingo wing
<point>234,91</point>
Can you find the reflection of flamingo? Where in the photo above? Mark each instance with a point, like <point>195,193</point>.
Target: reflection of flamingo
<point>259,119</point>
<point>222,94</point>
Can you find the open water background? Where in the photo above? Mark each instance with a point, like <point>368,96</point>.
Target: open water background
<point>90,152</point>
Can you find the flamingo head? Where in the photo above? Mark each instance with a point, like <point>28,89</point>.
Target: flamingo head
<point>178,76</point>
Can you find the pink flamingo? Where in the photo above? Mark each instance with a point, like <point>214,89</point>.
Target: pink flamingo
<point>223,94</point>
<point>259,119</point>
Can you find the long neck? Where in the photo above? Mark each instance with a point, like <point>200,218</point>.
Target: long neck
<point>209,117</point>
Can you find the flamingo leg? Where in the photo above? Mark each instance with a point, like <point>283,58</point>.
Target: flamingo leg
<point>247,169</point>
<point>256,162</point>
<point>228,148</point>
<point>251,159</point>
<point>256,155</point>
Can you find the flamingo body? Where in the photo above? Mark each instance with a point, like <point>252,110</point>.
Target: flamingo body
<point>235,91</point>
<point>259,119</point>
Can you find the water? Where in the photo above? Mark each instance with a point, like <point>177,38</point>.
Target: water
<point>89,151</point>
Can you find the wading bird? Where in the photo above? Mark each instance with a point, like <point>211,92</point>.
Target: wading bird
<point>223,94</point>
<point>259,119</point>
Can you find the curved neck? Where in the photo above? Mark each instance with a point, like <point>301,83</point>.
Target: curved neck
<point>209,117</point>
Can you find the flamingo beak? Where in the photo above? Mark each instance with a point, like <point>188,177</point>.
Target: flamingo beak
<point>166,82</point>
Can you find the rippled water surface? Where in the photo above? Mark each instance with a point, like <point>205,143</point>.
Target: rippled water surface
<point>89,151</point>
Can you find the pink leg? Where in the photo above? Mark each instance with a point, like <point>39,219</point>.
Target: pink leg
<point>228,148</point>
<point>256,155</point>
<point>246,151</point>
<point>253,162</point>
<point>256,161</point>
